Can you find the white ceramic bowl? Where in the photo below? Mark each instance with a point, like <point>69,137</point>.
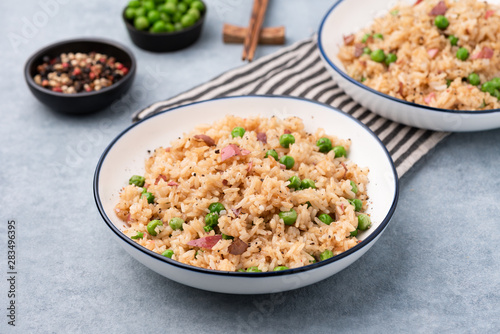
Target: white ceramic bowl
<point>126,154</point>
<point>349,16</point>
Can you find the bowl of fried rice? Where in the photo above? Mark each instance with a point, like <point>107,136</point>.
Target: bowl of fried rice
<point>433,64</point>
<point>248,194</point>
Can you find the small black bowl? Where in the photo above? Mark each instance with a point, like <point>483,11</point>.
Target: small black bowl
<point>83,102</point>
<point>168,41</point>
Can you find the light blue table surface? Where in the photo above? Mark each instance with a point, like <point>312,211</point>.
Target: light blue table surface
<point>435,269</point>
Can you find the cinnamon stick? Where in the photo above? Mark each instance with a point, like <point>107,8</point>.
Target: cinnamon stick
<point>270,36</point>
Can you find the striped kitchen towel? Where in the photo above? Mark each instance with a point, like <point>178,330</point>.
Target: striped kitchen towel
<point>297,70</point>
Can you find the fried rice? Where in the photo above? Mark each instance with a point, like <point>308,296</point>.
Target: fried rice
<point>208,165</point>
<point>427,70</point>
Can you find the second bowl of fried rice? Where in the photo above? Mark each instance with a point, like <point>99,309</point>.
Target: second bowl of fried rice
<point>432,64</point>
<point>245,195</point>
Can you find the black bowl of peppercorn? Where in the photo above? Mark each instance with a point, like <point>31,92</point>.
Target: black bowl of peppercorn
<point>80,75</point>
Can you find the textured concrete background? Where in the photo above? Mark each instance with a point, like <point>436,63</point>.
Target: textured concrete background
<point>436,268</point>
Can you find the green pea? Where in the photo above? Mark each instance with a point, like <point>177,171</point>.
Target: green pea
<point>172,1</point>
<point>364,222</point>
<point>182,7</point>
<point>254,270</point>
<point>289,217</point>
<point>168,253</point>
<point>130,13</point>
<point>134,4</point>
<point>227,237</point>
<point>198,5</point>
<point>153,16</point>
<point>241,270</point>
<point>354,233</point>
<point>211,220</point>
<point>272,153</point>
<point>488,87</point>
<point>367,51</point>
<point>148,5</point>
<point>140,12</point>
<point>325,218</point>
<point>169,27</point>
<point>354,187</point>
<point>356,203</point>
<point>188,2</point>
<point>178,26</point>
<point>495,82</point>
<point>176,223</point>
<point>462,54</point>
<point>237,132</point>
<point>294,182</point>
<point>288,161</point>
<point>176,18</point>
<point>474,79</point>
<point>339,151</point>
<point>307,183</point>
<point>280,268</point>
<point>324,144</point>
<point>391,58</point>
<point>441,22</point>
<point>169,8</point>
<point>365,38</point>
<point>149,196</point>
<point>139,235</point>
<point>453,40</point>
<point>286,140</point>
<point>137,180</point>
<point>326,255</point>
<point>379,36</point>
<point>195,13</point>
<point>152,226</point>
<point>216,207</point>
<point>378,56</point>
<point>188,20</point>
<point>141,23</point>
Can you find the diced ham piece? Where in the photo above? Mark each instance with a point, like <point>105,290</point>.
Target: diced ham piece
<point>167,149</point>
<point>400,91</point>
<point>236,212</point>
<point>207,139</point>
<point>225,182</point>
<point>229,151</point>
<point>232,150</point>
<point>485,53</point>
<point>282,166</point>
<point>489,13</point>
<point>287,131</point>
<point>348,39</point>
<point>432,53</point>
<point>429,97</point>
<point>418,1</point>
<point>262,137</point>
<point>439,9</point>
<point>358,49</point>
<point>206,242</point>
<point>160,177</point>
<point>172,184</point>
<point>237,247</point>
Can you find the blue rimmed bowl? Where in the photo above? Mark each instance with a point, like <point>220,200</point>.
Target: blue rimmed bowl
<point>126,154</point>
<point>349,16</point>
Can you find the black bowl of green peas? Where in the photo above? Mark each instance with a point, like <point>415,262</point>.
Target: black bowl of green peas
<point>164,25</point>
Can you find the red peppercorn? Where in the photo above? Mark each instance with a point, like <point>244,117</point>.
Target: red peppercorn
<point>45,83</point>
<point>77,71</point>
<point>65,65</point>
<point>124,70</point>
<point>57,89</point>
<point>92,75</point>
<point>119,66</point>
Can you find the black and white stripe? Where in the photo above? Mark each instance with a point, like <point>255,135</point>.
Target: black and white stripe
<point>297,70</point>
